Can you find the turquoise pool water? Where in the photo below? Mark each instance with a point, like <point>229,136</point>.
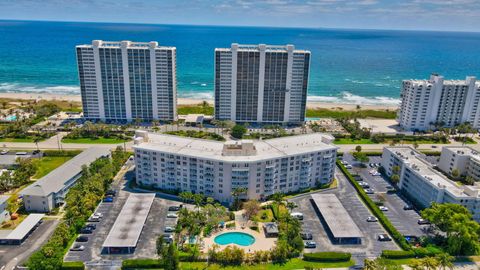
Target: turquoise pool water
<point>239,238</point>
<point>11,118</point>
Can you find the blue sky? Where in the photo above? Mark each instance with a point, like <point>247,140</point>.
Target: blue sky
<point>451,15</point>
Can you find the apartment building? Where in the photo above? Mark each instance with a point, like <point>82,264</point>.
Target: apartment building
<point>216,168</point>
<point>429,103</point>
<point>49,191</point>
<point>425,185</point>
<point>125,81</point>
<point>464,159</point>
<point>261,83</point>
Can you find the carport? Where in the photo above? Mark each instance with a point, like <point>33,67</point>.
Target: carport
<point>22,231</point>
<point>339,226</point>
<point>123,237</point>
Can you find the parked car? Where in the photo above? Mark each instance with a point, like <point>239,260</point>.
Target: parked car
<point>77,248</point>
<point>169,229</point>
<point>168,238</point>
<point>372,219</point>
<point>306,236</point>
<point>344,162</point>
<point>108,199</point>
<point>348,166</point>
<point>423,222</point>
<point>172,215</point>
<point>384,237</point>
<point>86,230</point>
<point>371,165</point>
<point>4,152</point>
<point>82,239</point>
<point>297,215</point>
<point>91,226</point>
<point>175,208</point>
<point>383,208</point>
<point>390,189</point>
<point>111,192</point>
<point>369,191</point>
<point>94,219</point>
<point>310,244</point>
<point>364,184</point>
<point>407,207</point>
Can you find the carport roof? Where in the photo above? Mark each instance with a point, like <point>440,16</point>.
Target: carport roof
<point>130,221</point>
<point>25,227</point>
<point>337,218</point>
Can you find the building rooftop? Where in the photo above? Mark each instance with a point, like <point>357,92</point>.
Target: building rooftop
<point>126,43</point>
<point>268,48</point>
<point>415,160</point>
<point>56,179</point>
<point>337,218</point>
<point>130,221</point>
<point>434,78</point>
<point>464,151</point>
<point>248,150</point>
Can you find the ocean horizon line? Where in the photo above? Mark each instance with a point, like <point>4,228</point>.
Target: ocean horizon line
<point>252,26</point>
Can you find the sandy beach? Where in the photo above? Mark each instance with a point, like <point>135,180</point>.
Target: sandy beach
<point>192,101</point>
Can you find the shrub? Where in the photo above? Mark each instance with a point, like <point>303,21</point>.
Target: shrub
<point>327,257</point>
<point>397,236</point>
<point>141,263</point>
<point>427,252</point>
<point>57,153</point>
<point>73,266</point>
<point>398,254</point>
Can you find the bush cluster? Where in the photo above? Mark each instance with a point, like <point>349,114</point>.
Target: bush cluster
<point>414,253</point>
<point>327,257</point>
<point>396,235</point>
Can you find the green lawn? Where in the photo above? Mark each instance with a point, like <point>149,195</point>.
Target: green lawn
<point>352,141</point>
<point>16,140</point>
<point>48,164</point>
<point>337,113</point>
<point>295,263</point>
<point>93,141</point>
<point>267,213</point>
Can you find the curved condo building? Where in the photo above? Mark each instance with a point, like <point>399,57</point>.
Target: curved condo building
<point>216,168</point>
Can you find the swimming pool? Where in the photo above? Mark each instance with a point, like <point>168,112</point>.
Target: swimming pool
<point>239,238</point>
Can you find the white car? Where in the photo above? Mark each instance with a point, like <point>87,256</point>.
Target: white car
<point>297,215</point>
<point>172,215</point>
<point>348,166</point>
<point>383,208</point>
<point>372,219</point>
<point>99,215</point>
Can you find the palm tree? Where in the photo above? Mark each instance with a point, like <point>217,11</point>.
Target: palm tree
<point>430,263</point>
<point>416,265</point>
<point>185,196</point>
<point>445,261</point>
<point>278,198</point>
<point>370,265</point>
<point>291,206</point>
<point>36,140</point>
<point>236,193</point>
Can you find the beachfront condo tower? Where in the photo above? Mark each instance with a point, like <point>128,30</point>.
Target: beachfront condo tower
<point>261,84</point>
<point>125,81</point>
<point>430,104</point>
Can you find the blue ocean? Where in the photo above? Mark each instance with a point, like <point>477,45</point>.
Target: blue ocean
<point>347,66</point>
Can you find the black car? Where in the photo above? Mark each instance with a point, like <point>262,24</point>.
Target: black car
<point>111,193</point>
<point>175,208</point>
<point>306,236</point>
<point>407,207</point>
<point>86,230</point>
<point>82,239</point>
<point>91,226</point>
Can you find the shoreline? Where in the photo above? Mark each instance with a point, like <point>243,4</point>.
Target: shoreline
<point>193,101</point>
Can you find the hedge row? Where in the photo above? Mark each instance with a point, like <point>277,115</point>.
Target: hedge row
<point>58,153</point>
<point>141,263</point>
<point>73,266</point>
<point>327,257</point>
<point>431,153</point>
<point>397,236</point>
<point>275,211</point>
<point>414,253</point>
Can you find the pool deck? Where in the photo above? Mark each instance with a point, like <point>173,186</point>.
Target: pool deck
<point>261,242</point>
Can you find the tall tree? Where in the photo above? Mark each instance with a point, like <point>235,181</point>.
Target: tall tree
<point>172,261</point>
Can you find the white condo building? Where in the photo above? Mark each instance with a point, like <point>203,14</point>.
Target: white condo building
<point>125,81</point>
<point>465,159</point>
<point>425,185</point>
<point>261,83</point>
<point>216,168</point>
<point>438,101</point>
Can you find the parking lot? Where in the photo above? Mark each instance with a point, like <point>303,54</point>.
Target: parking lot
<point>404,220</point>
<point>345,192</point>
<point>154,226</point>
